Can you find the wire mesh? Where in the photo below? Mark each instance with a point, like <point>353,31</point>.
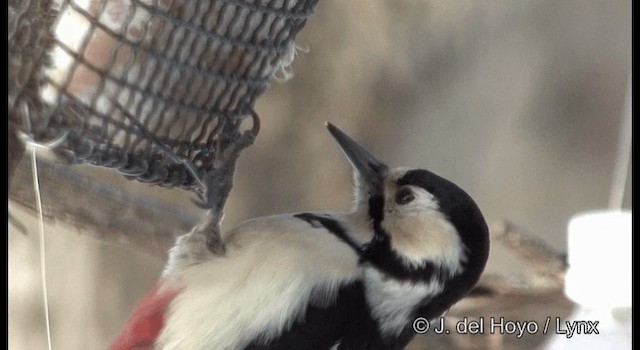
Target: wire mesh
<point>29,39</point>
<point>158,89</point>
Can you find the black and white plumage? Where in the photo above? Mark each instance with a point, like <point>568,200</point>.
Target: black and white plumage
<point>414,244</point>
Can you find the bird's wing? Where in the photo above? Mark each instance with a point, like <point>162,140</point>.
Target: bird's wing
<point>273,269</point>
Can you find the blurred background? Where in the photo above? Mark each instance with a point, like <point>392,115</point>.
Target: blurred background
<point>521,103</point>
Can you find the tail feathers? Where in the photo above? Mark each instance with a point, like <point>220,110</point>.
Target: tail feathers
<point>143,327</point>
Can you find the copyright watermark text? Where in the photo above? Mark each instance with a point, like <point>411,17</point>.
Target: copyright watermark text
<point>500,325</point>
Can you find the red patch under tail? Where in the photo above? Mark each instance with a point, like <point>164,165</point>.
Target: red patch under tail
<point>143,327</point>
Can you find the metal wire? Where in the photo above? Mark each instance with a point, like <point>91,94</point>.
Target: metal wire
<point>158,89</point>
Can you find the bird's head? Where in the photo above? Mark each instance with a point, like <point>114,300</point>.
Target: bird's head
<point>420,221</point>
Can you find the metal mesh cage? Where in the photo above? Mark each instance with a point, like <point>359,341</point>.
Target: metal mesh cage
<point>158,89</point>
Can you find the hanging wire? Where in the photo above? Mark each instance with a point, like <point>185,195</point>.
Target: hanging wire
<point>43,256</point>
<point>623,155</point>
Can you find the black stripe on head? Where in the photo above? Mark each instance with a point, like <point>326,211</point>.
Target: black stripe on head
<point>464,215</point>
<point>332,226</point>
<point>380,254</point>
<point>376,213</point>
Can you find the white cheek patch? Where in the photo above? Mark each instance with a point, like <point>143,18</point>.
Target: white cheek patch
<point>420,233</point>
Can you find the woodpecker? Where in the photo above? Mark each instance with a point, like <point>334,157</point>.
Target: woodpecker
<point>413,245</point>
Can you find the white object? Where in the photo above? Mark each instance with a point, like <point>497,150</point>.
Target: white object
<point>598,281</point>
<point>599,254</point>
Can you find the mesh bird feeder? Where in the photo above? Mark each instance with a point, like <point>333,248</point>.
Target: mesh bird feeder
<point>161,90</point>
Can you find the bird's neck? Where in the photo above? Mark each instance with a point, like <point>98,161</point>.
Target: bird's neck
<point>360,227</point>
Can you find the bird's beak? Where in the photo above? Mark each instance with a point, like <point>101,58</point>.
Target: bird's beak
<point>369,170</point>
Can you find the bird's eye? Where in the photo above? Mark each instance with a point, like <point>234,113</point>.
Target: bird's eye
<point>404,196</point>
